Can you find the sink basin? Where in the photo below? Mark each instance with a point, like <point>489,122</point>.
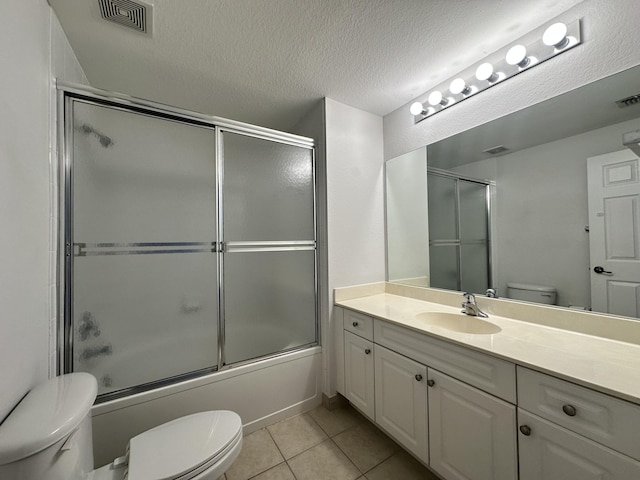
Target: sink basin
<point>458,322</point>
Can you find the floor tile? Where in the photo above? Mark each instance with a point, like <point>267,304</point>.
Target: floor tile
<point>335,421</point>
<point>365,445</point>
<point>323,462</point>
<point>296,434</point>
<point>279,472</point>
<point>401,465</point>
<point>259,453</point>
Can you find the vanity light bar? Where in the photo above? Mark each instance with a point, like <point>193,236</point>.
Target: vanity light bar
<point>498,67</point>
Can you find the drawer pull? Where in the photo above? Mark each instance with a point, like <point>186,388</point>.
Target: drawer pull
<point>431,382</point>
<point>355,324</point>
<point>367,351</point>
<point>569,410</point>
<point>418,377</point>
<point>525,430</point>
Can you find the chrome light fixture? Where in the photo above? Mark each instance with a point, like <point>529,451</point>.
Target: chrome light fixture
<point>500,66</point>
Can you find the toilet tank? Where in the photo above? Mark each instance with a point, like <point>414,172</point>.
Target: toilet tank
<point>528,292</point>
<point>48,434</point>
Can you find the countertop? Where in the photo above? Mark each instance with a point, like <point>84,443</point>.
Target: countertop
<point>608,366</point>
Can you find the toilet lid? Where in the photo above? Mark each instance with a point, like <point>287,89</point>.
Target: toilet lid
<point>175,448</point>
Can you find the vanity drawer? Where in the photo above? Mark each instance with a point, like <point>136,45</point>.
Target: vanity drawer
<point>493,375</point>
<point>600,417</point>
<point>359,324</point>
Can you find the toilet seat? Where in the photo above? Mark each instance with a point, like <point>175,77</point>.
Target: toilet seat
<point>184,448</point>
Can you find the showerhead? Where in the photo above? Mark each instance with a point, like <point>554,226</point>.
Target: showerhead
<point>104,140</point>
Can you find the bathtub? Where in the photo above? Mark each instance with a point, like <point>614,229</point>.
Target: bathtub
<point>144,361</point>
<point>261,392</point>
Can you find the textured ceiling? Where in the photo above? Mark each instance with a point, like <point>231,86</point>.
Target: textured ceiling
<point>268,61</point>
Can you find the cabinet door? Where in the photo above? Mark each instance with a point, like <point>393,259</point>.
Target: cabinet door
<point>401,400</point>
<point>472,435</point>
<point>358,373</point>
<point>550,452</point>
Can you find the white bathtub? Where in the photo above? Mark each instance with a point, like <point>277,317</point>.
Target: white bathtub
<point>261,392</point>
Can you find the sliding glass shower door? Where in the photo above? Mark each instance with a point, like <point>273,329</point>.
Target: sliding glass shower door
<point>459,226</point>
<point>189,246</point>
<point>144,293</point>
<point>269,247</point>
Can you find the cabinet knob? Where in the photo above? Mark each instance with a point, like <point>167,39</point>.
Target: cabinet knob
<point>367,351</point>
<point>569,410</point>
<point>355,324</point>
<point>418,377</point>
<point>525,430</point>
<point>431,382</point>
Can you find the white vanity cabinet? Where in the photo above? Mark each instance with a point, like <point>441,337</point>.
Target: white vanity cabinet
<point>472,435</point>
<point>571,432</point>
<point>358,373</point>
<point>401,400</point>
<point>452,421</point>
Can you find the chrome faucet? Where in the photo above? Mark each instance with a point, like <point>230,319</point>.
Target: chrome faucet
<point>88,353</point>
<point>470,307</point>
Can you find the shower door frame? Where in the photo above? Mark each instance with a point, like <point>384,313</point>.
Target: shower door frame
<point>67,94</point>
<point>488,184</point>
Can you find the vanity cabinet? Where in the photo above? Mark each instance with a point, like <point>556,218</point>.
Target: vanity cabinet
<point>550,452</point>
<point>472,435</point>
<point>456,409</point>
<point>358,373</point>
<point>401,400</point>
<point>571,432</point>
<point>452,421</point>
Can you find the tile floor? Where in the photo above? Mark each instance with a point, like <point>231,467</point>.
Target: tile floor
<point>335,445</point>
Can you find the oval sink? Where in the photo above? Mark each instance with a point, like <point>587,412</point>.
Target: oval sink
<point>459,322</point>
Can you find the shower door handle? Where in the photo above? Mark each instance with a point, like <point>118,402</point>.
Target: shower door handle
<point>602,271</point>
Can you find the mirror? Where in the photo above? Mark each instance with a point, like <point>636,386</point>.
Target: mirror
<point>541,231</point>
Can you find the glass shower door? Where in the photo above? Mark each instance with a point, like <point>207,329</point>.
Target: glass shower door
<point>142,268</point>
<point>458,233</point>
<point>269,247</point>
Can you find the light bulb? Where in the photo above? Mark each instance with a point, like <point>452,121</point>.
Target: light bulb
<point>435,98</point>
<point>556,35</point>
<point>459,86</point>
<point>485,72</point>
<point>517,55</point>
<point>417,108</point>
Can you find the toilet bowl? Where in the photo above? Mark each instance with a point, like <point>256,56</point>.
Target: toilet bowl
<point>48,436</point>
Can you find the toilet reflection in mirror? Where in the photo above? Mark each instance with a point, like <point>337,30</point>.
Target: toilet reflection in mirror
<point>549,222</point>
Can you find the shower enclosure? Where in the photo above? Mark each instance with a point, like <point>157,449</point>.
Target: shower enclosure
<point>459,232</point>
<point>189,242</point>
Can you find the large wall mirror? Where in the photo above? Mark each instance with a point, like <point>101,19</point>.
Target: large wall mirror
<point>552,214</point>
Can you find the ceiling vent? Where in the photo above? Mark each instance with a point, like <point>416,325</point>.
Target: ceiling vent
<point>627,102</point>
<point>496,150</point>
<point>135,15</point>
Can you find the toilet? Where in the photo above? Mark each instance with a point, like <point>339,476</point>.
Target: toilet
<point>528,292</point>
<point>48,436</point>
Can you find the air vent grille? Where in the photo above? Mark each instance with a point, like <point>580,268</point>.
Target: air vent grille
<point>496,150</point>
<point>627,102</point>
<point>127,13</point>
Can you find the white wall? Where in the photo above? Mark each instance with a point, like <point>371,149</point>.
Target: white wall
<point>355,204</point>
<point>407,218</point>
<point>541,209</point>
<point>32,47</point>
<point>611,37</point>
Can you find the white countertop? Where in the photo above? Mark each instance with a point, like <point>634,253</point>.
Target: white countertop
<point>609,366</point>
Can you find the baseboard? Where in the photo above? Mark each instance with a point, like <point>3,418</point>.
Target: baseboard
<point>296,409</point>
